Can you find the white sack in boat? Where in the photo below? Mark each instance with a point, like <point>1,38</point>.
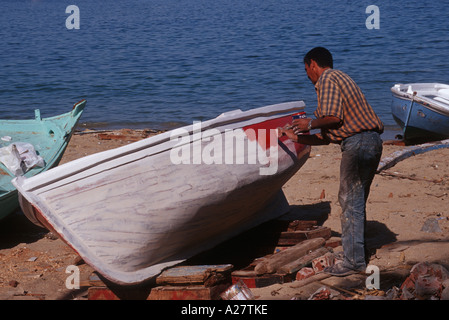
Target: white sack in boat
<point>19,157</point>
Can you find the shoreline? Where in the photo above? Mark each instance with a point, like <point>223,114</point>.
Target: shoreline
<point>390,131</point>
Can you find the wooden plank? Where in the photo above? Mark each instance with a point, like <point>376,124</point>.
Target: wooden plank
<point>294,237</point>
<point>333,242</point>
<point>275,261</point>
<point>297,225</point>
<point>249,276</point>
<point>315,278</point>
<point>294,266</point>
<point>187,292</point>
<point>254,281</point>
<point>208,275</point>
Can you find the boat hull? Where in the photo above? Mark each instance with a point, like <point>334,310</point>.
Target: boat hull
<point>421,114</point>
<point>133,211</point>
<point>49,136</point>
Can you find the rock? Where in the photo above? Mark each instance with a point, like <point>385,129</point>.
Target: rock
<point>323,293</point>
<point>445,294</point>
<point>51,236</point>
<point>427,286</point>
<point>13,283</point>
<point>431,226</point>
<point>425,282</point>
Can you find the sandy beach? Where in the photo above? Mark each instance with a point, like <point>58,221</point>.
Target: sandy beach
<point>33,262</point>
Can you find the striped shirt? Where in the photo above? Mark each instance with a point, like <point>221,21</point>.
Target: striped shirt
<point>338,95</point>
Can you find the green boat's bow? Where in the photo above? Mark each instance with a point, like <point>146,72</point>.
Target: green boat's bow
<point>49,137</point>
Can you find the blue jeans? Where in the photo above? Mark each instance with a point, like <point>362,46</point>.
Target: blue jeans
<point>360,157</point>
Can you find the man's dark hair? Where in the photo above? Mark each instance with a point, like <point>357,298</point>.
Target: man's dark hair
<point>321,56</point>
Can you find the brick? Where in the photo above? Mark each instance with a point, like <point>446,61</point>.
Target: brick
<point>305,273</point>
<point>320,263</point>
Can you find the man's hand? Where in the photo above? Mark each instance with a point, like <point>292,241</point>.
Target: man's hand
<point>326,122</point>
<point>301,125</point>
<point>288,131</point>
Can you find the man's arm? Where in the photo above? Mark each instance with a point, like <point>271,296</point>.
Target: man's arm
<point>303,125</point>
<point>326,122</point>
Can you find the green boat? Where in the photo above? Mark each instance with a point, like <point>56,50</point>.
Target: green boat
<point>49,138</point>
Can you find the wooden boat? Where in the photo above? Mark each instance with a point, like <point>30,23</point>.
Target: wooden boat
<point>48,136</point>
<point>130,212</point>
<point>421,110</point>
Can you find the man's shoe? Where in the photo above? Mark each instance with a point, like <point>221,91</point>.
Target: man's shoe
<point>339,270</point>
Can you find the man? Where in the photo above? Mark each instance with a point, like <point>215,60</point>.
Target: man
<point>344,117</point>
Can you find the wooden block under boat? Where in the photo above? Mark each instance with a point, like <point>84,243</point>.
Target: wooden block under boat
<point>207,275</point>
<point>187,292</point>
<point>289,238</point>
<point>252,280</point>
<point>202,282</point>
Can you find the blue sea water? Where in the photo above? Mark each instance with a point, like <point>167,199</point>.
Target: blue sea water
<point>163,63</point>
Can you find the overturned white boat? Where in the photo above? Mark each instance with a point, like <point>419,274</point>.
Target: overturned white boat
<point>130,212</point>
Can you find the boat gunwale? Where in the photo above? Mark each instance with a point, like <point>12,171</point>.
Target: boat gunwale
<point>432,104</point>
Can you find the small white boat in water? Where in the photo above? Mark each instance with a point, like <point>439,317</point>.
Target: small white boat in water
<point>421,110</point>
<point>130,212</point>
